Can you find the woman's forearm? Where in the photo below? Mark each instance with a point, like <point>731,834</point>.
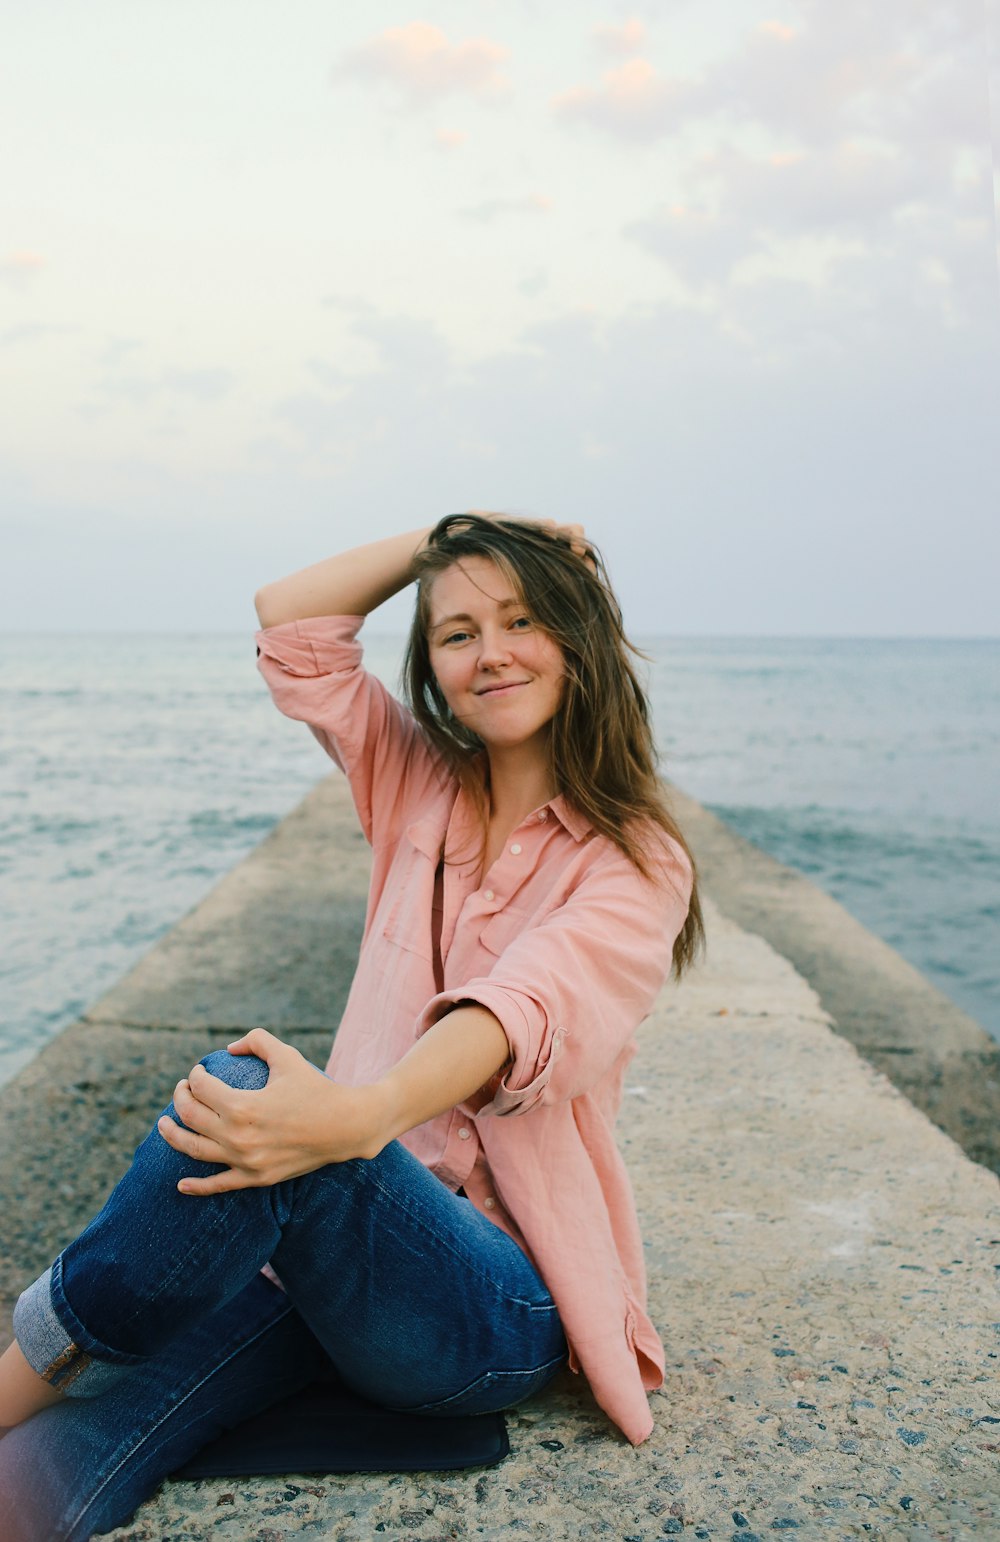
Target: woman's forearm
<point>351,584</point>
<point>446,1066</point>
<point>301,1119</point>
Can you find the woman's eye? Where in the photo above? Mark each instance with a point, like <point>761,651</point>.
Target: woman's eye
<point>456,637</point>
<point>521,621</point>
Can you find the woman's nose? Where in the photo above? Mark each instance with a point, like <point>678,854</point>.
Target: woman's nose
<point>494,650</point>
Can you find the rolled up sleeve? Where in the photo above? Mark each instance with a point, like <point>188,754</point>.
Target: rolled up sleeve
<point>315,674</point>
<point>571,991</point>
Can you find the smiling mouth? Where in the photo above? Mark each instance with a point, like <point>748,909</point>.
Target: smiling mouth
<point>507,685</point>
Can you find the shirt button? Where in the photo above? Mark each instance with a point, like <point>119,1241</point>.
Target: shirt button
<point>515,850</point>
<point>489,1204</point>
<point>488,894</point>
<point>463,1133</point>
<point>543,816</point>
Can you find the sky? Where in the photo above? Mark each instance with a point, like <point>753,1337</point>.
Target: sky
<point>716,278</point>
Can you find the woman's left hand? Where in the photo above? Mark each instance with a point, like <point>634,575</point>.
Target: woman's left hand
<point>299,1121</point>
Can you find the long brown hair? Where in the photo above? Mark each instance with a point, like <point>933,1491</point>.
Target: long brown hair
<point>603,756</point>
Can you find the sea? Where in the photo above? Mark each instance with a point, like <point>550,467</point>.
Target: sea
<point>136,770</point>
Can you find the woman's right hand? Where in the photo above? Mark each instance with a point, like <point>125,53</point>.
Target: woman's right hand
<point>299,1121</point>
<point>572,533</point>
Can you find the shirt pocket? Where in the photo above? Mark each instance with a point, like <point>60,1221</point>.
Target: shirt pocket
<point>411,877</point>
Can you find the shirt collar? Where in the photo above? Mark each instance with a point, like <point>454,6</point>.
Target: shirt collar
<point>576,823</point>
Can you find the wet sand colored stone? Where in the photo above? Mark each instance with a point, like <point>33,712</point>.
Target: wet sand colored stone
<point>822,1258</point>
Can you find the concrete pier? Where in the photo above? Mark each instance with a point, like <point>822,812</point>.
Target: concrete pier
<point>823,1259</point>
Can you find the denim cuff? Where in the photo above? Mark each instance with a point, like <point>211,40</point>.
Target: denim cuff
<point>53,1351</point>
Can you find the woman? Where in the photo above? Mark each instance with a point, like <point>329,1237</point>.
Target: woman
<point>444,1215</point>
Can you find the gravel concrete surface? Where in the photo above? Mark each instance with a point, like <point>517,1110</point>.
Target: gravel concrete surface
<point>823,1259</point>
<point>945,1062</point>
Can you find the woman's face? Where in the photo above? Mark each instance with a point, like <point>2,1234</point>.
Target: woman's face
<point>500,674</point>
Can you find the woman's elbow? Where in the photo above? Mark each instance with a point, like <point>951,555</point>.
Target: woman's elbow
<point>264,607</point>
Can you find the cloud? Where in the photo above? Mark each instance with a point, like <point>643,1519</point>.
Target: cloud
<point>892,70</point>
<point>133,389</point>
<point>347,422</point>
<point>21,268</point>
<point>628,38</point>
<point>879,164</point>
<point>633,102</point>
<point>31,332</point>
<point>812,84</point>
<point>700,246</point>
<point>841,188</point>
<point>421,62</point>
<point>778,29</point>
<point>350,304</point>
<point>878,208</point>
<point>205,385</point>
<point>410,346</point>
<point>533,284</point>
<point>854,222</point>
<point>117,350</point>
<point>331,376</point>
<point>913,279</point>
<point>531,203</point>
<point>120,382</point>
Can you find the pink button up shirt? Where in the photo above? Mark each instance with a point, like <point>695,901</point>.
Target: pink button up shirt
<point>563,940</point>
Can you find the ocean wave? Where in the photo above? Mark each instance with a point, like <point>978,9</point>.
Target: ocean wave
<point>216,822</point>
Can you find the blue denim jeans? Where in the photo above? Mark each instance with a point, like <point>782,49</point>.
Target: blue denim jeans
<point>159,1328</point>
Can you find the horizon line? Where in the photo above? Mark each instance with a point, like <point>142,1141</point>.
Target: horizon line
<point>638,632</point>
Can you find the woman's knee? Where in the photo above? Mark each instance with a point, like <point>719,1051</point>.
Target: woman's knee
<point>248,1073</point>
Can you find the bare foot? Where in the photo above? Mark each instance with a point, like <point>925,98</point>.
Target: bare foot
<point>22,1391</point>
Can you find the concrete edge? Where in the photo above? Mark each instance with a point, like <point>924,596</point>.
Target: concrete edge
<point>936,1054</point>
